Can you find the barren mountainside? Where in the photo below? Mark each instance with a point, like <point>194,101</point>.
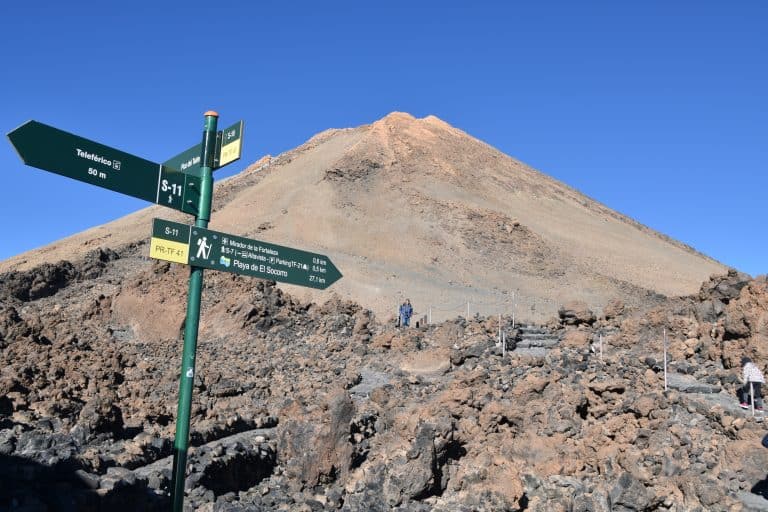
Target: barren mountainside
<point>415,208</point>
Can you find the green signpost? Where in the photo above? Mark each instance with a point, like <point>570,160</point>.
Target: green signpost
<point>185,183</point>
<point>205,248</point>
<point>181,441</point>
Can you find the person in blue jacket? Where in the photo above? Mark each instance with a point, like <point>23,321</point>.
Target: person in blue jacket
<point>406,310</point>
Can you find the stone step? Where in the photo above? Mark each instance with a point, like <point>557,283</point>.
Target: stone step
<point>540,336</point>
<point>534,330</point>
<point>531,352</point>
<point>544,343</point>
<point>535,334</point>
<point>686,384</point>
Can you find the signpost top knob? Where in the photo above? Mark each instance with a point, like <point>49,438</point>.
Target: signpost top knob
<point>211,113</point>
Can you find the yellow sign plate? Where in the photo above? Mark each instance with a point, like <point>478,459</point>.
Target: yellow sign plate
<point>229,153</point>
<point>167,250</point>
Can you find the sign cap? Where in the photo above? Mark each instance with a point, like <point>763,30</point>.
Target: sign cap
<point>211,113</point>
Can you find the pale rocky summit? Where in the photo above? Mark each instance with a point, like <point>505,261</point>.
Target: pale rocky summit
<point>415,208</point>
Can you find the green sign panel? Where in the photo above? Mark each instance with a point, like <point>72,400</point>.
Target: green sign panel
<point>60,152</point>
<point>205,248</point>
<point>228,149</point>
<point>187,161</point>
<point>171,231</point>
<point>178,190</point>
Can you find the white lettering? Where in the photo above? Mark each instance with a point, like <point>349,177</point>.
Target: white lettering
<point>252,256</point>
<point>189,163</point>
<point>276,272</point>
<point>271,252</point>
<point>284,263</point>
<point>98,159</point>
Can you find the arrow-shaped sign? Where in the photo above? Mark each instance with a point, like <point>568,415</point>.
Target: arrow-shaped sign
<point>205,248</point>
<point>228,149</point>
<point>60,152</point>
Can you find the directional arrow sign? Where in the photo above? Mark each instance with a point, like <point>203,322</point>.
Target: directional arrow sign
<point>60,152</point>
<point>187,161</point>
<point>228,149</point>
<point>204,248</point>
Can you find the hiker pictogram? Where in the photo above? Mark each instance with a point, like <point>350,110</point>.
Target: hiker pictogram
<point>203,248</point>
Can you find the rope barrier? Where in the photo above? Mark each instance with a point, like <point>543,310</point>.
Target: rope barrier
<point>512,304</point>
<point>450,308</point>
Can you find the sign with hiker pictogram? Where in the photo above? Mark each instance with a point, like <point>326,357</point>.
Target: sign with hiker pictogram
<point>214,250</point>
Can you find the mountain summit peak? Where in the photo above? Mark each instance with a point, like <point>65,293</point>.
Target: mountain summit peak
<point>405,117</point>
<point>398,116</point>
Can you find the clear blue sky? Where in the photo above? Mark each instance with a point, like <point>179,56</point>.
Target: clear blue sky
<point>657,109</point>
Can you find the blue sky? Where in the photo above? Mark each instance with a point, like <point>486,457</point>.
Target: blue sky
<point>657,109</point>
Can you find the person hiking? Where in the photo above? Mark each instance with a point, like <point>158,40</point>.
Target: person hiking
<point>751,378</point>
<point>406,310</point>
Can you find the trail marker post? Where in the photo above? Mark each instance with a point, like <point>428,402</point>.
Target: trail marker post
<point>665,359</point>
<point>185,183</point>
<point>187,379</point>
<point>601,347</point>
<point>514,307</point>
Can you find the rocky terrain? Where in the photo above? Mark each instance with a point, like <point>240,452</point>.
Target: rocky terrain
<point>306,406</point>
<point>315,400</point>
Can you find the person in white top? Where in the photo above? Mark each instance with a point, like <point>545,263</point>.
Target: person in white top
<point>751,378</point>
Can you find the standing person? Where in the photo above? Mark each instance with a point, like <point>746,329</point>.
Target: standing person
<point>751,376</point>
<point>406,310</point>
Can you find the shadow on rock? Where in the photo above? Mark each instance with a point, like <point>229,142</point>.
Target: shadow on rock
<point>761,488</point>
<point>28,485</point>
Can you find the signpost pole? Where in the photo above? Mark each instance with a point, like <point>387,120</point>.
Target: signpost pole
<point>187,379</point>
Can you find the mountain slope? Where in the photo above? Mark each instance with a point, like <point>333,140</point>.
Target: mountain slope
<point>415,208</point>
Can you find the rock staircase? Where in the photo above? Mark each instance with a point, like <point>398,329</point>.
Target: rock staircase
<point>534,340</point>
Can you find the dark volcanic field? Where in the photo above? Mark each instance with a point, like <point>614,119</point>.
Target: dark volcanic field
<point>315,407</point>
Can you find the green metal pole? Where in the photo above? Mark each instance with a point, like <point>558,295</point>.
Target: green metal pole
<point>181,442</point>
